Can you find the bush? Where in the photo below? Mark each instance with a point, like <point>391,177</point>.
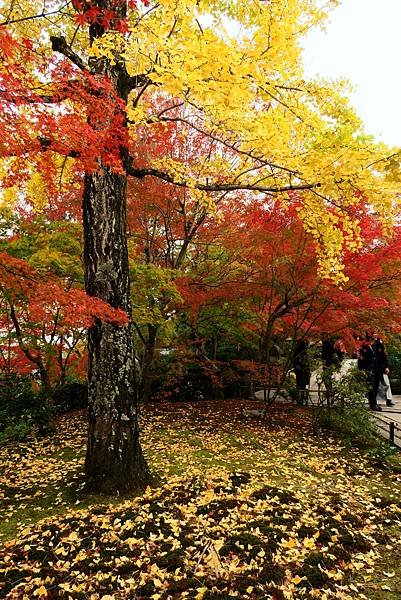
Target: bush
<point>346,413</point>
<point>21,408</point>
<point>180,376</point>
<point>394,359</point>
<point>71,396</point>
<point>351,422</point>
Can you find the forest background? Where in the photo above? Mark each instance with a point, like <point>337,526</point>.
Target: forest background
<point>180,204</point>
<point>200,197</point>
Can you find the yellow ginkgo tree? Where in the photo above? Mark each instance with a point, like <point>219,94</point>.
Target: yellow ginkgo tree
<point>86,85</point>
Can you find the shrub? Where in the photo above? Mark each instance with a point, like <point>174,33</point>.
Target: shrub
<point>71,396</point>
<point>346,413</point>
<point>394,359</point>
<point>21,408</point>
<point>181,376</point>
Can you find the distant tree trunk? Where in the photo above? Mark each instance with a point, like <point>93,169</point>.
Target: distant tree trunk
<point>114,459</point>
<point>214,347</point>
<point>148,356</point>
<point>265,344</point>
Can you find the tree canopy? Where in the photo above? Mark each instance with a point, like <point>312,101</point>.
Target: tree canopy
<point>210,99</point>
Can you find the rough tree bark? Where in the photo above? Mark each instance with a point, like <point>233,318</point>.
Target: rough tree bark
<point>114,460</point>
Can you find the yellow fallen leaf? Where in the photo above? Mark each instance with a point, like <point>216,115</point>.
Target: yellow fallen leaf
<point>41,591</point>
<point>309,543</point>
<point>201,592</point>
<point>390,574</point>
<point>288,543</point>
<point>297,579</point>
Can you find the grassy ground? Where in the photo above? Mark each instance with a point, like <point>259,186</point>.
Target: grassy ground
<point>245,509</point>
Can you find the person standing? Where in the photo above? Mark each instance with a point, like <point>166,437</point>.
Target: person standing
<point>300,363</point>
<point>329,360</point>
<point>367,362</point>
<point>328,353</point>
<point>380,363</point>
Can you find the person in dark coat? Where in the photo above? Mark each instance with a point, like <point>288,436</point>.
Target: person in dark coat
<point>300,364</point>
<point>328,353</point>
<point>381,363</point>
<point>367,361</point>
<point>329,359</point>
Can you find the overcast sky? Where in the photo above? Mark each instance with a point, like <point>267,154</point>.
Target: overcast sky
<point>363,43</point>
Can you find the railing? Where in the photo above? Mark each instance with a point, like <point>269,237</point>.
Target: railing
<point>390,430</point>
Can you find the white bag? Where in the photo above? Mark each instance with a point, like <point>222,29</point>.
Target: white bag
<point>382,392</point>
<point>389,395</point>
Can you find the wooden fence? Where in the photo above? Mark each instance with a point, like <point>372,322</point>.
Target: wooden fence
<point>389,429</point>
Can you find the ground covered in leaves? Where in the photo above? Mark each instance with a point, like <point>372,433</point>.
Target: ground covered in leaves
<point>246,509</point>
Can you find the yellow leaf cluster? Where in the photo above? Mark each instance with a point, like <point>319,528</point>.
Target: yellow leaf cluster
<point>234,70</point>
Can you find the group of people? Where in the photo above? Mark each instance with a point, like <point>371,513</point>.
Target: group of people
<point>372,358</point>
<point>331,353</point>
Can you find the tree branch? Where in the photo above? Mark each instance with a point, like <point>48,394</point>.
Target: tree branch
<point>21,343</point>
<point>217,187</point>
<point>59,44</point>
<point>41,15</point>
<point>225,143</point>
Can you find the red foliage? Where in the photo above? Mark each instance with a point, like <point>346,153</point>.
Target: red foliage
<point>40,320</point>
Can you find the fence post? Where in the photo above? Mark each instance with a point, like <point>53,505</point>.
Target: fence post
<point>391,432</point>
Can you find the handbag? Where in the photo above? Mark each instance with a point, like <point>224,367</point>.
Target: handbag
<point>382,391</point>
<point>388,393</point>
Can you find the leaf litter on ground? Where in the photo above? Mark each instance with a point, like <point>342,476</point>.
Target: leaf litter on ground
<point>246,509</point>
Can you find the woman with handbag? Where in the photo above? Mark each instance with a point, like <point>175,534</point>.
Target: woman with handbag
<point>381,369</point>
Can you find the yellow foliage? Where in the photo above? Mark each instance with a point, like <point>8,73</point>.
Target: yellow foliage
<point>234,71</point>
<point>37,192</point>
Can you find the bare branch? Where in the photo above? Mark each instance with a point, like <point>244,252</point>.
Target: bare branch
<point>59,44</point>
<point>41,15</point>
<point>217,187</point>
<point>225,143</point>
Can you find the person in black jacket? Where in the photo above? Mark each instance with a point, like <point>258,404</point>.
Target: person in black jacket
<point>370,358</point>
<point>300,364</point>
<point>381,366</point>
<point>330,361</point>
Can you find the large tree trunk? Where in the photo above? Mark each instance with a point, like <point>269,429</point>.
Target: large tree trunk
<point>114,460</point>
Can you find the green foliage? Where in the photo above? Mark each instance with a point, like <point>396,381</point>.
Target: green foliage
<point>152,285</point>
<point>394,359</point>
<point>221,327</point>
<point>21,408</point>
<point>155,298</point>
<point>71,396</point>
<point>16,431</point>
<point>346,413</point>
<point>179,376</point>
<point>48,246</point>
<point>382,453</point>
<point>351,422</point>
